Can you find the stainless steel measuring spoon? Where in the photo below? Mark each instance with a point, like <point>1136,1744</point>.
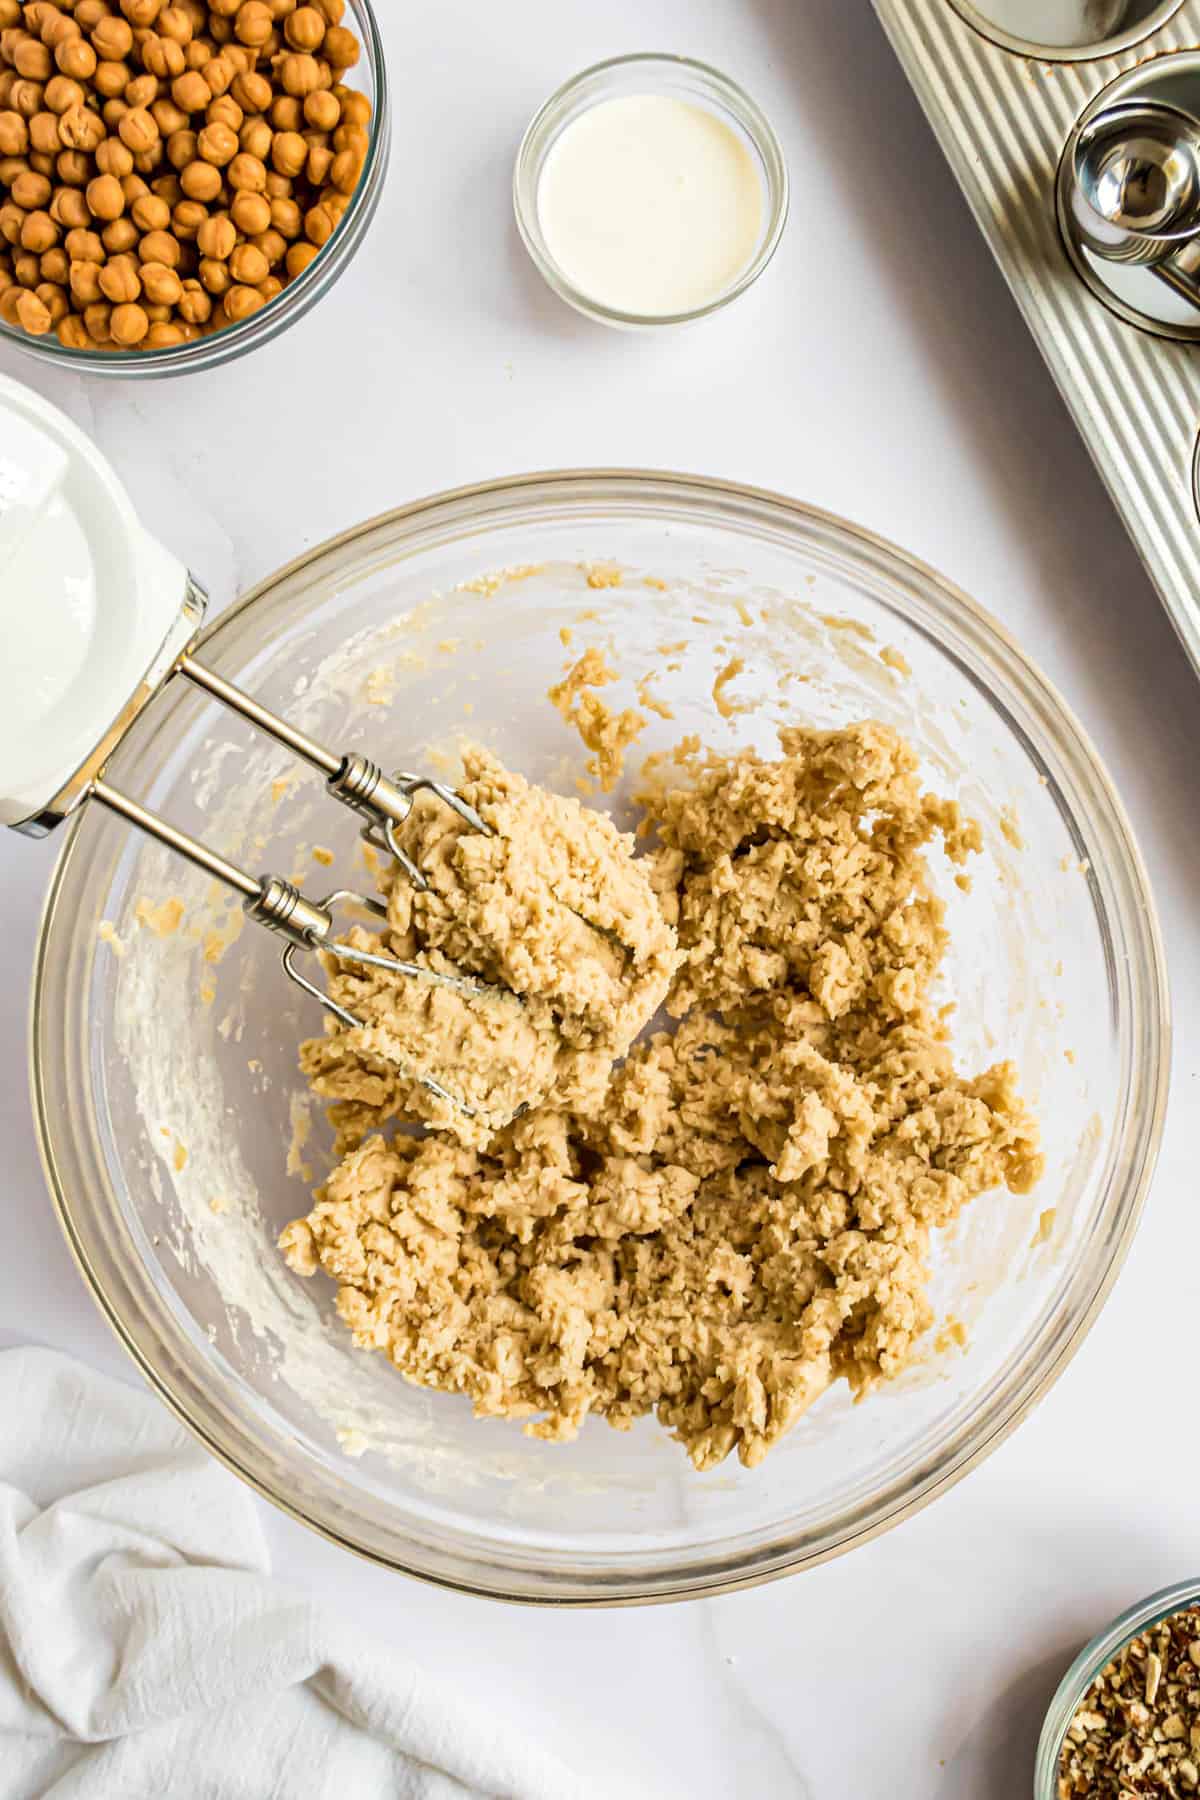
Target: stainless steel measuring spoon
<point>1135,190</point>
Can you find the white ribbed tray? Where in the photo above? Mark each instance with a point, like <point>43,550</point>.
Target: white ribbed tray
<point>1003,119</point>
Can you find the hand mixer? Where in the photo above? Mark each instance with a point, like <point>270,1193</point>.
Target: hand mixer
<point>98,618</point>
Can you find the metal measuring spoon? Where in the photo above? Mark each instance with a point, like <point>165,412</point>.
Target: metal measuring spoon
<point>1136,191</point>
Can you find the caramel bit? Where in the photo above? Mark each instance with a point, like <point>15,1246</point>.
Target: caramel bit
<point>1137,1729</point>
<point>895,659</point>
<point>714,1222</point>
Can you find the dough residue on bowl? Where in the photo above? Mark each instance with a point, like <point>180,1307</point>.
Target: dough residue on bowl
<point>739,1212</point>
<point>607,734</point>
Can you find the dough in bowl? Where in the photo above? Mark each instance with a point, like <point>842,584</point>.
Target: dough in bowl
<point>712,1221</point>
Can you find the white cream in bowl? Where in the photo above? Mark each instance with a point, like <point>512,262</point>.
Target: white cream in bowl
<point>650,204</point>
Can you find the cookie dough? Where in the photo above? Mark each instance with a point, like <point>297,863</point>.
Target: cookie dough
<point>544,951</point>
<point>607,734</point>
<point>748,1216</point>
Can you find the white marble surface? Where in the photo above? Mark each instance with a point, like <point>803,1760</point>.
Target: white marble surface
<point>880,369</point>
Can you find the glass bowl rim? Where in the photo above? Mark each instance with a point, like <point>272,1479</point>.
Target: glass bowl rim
<point>708,1572</point>
<point>735,101</point>
<point>1095,1655</point>
<point>288,306</point>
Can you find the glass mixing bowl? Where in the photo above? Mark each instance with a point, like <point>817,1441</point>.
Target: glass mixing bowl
<point>369,76</point>
<point>169,1107</point>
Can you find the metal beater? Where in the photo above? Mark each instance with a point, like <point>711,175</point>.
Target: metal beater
<point>99,618</point>
<point>382,801</point>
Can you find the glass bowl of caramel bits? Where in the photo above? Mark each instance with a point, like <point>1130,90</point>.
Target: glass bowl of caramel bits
<point>181,179</point>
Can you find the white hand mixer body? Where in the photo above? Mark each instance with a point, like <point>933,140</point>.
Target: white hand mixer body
<point>95,610</point>
<point>97,618</point>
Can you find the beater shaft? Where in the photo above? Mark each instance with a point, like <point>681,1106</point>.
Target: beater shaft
<point>351,778</point>
<point>269,900</point>
<point>289,735</point>
<point>174,839</point>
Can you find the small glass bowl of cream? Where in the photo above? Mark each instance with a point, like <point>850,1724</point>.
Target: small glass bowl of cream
<point>650,190</point>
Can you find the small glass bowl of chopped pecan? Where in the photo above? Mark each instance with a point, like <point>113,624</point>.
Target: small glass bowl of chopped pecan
<point>1126,1718</point>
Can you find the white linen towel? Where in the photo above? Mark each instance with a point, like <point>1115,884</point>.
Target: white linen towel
<point>146,1654</point>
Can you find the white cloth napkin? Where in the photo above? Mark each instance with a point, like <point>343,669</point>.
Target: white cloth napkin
<point>146,1652</point>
